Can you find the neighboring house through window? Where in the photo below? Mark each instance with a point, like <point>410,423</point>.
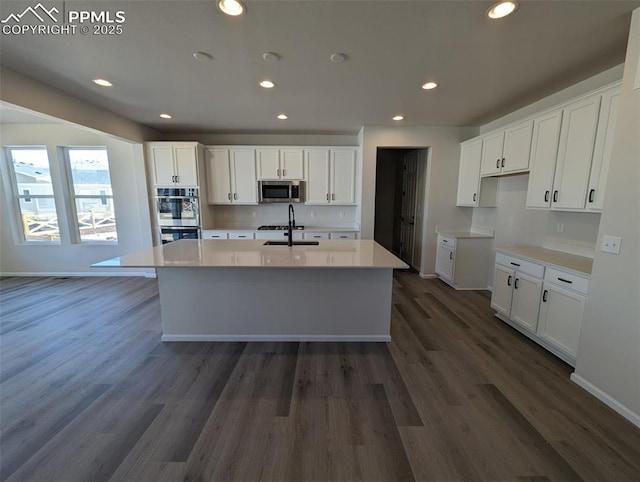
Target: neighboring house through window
<point>33,189</point>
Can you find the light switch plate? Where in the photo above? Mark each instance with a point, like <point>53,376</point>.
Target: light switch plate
<point>611,244</point>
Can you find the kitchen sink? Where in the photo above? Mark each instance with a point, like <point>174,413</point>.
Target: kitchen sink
<point>295,243</point>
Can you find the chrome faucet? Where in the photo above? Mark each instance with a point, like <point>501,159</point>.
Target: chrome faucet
<point>292,224</point>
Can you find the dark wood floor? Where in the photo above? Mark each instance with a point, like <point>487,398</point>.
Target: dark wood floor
<point>89,393</point>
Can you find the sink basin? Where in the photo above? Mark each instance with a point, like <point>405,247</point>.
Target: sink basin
<point>295,243</point>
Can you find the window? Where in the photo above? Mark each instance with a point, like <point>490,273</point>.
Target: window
<point>34,191</point>
<point>91,190</point>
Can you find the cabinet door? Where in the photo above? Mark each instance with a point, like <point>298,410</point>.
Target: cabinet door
<point>218,176</point>
<point>445,260</point>
<point>492,154</point>
<point>544,152</point>
<point>317,166</point>
<point>560,321</point>
<point>291,163</point>
<point>469,173</point>
<point>517,147</point>
<point>268,163</point>
<point>602,150</point>
<point>186,165</point>
<point>577,137</point>
<point>163,166</point>
<point>502,289</point>
<point>243,176</point>
<point>316,235</point>
<point>343,177</point>
<point>526,301</point>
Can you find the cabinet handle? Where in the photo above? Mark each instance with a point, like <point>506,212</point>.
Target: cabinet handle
<point>474,197</point>
<point>173,178</point>
<point>284,172</point>
<point>544,296</point>
<point>565,280</point>
<point>235,195</point>
<point>229,196</point>
<point>498,164</point>
<point>555,196</point>
<point>503,162</point>
<point>333,196</point>
<point>514,264</point>
<point>177,178</point>
<point>515,283</point>
<point>451,255</point>
<point>546,196</point>
<point>591,193</point>
<point>445,241</point>
<point>509,281</point>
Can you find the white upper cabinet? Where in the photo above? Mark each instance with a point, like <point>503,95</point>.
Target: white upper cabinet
<point>331,176</point>
<point>231,176</point>
<point>577,138</point>
<point>469,174</point>
<point>544,151</point>
<point>343,176</point>
<point>174,164</point>
<point>275,163</point>
<point>603,149</point>
<point>507,151</point>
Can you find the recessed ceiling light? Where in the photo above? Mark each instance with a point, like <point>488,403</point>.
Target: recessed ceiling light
<point>337,58</point>
<point>202,56</point>
<point>102,82</point>
<point>283,117</point>
<point>165,116</point>
<point>267,84</point>
<point>398,118</point>
<point>271,56</point>
<point>502,9</point>
<point>231,7</point>
<point>429,85</point>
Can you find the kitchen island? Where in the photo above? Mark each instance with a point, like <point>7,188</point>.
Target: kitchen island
<point>229,290</point>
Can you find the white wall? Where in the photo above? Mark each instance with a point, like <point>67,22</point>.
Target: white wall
<point>130,200</point>
<point>609,349</point>
<point>22,91</point>
<point>442,178</point>
<point>231,139</point>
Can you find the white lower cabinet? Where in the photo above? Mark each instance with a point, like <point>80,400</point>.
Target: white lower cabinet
<point>278,235</point>
<point>316,235</point>
<point>214,234</point>
<point>342,235</point>
<point>463,262</point>
<point>545,303</point>
<point>240,234</point>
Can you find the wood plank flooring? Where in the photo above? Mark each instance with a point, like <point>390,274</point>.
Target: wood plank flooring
<point>89,393</point>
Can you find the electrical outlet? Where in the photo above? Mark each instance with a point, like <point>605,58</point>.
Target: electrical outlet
<point>510,220</point>
<point>255,214</point>
<point>342,214</point>
<point>313,214</point>
<point>560,227</point>
<point>611,244</point>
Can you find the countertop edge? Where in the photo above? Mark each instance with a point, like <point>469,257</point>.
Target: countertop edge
<point>513,251</point>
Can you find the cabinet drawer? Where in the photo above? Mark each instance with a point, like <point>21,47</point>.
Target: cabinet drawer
<point>446,241</point>
<point>567,280</point>
<point>209,234</point>
<point>241,235</point>
<point>316,235</point>
<point>342,235</point>
<point>521,265</point>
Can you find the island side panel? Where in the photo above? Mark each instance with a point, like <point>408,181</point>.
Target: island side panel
<point>302,304</point>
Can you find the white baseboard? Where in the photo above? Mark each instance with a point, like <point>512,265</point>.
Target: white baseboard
<point>427,276</point>
<point>633,417</point>
<point>313,338</point>
<point>75,274</point>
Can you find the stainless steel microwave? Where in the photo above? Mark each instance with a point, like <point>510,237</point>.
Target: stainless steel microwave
<point>282,191</point>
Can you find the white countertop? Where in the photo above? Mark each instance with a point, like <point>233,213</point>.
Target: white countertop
<point>205,253</point>
<point>580,264</point>
<point>464,234</point>
<point>308,229</point>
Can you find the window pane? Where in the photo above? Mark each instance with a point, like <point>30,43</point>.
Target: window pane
<point>90,171</point>
<point>31,167</point>
<point>96,219</point>
<point>39,219</point>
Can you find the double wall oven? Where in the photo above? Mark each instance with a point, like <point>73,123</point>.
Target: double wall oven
<point>178,213</point>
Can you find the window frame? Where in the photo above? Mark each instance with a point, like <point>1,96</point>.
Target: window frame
<point>19,234</point>
<point>72,198</point>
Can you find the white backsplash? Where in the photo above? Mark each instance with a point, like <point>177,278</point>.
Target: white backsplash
<point>250,217</point>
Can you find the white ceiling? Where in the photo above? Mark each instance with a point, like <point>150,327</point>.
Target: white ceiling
<point>485,68</point>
